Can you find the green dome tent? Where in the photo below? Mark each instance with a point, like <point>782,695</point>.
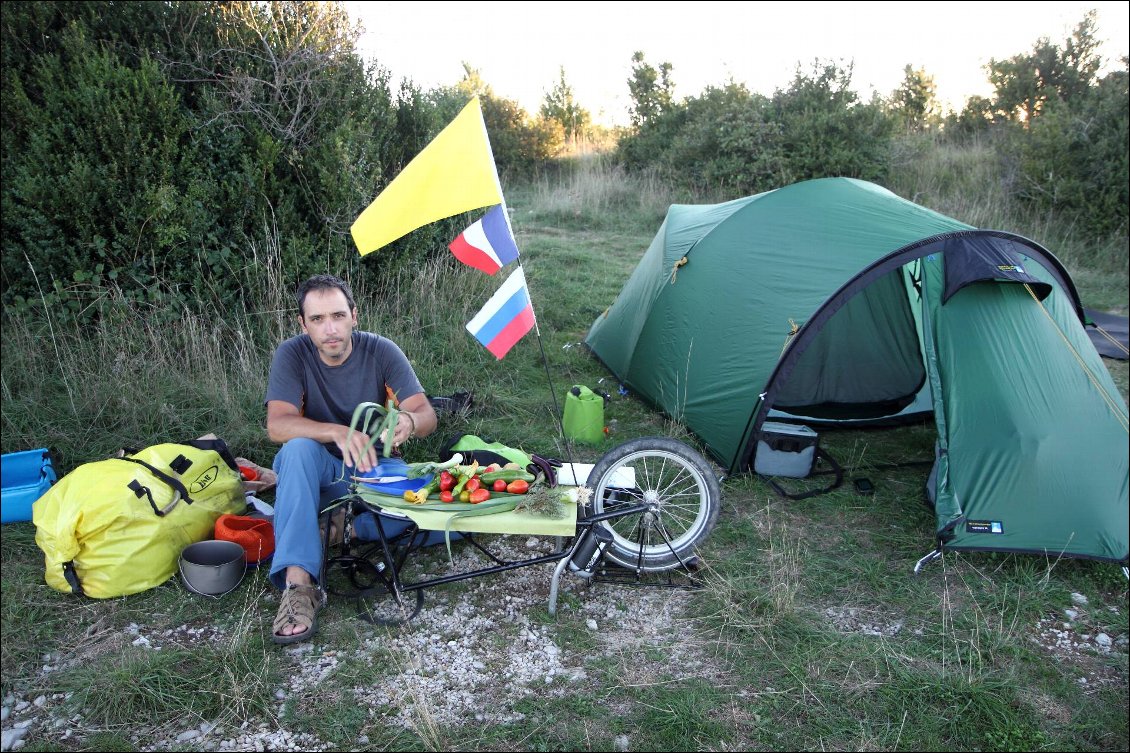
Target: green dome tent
<point>835,300</point>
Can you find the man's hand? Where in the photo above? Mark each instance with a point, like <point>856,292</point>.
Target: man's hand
<point>404,429</point>
<point>353,451</point>
<point>416,418</point>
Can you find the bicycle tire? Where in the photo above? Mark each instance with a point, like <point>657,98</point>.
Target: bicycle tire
<point>681,490</point>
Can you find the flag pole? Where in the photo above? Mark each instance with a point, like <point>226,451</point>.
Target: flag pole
<point>549,378</point>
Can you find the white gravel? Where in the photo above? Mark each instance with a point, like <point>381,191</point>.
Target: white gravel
<point>476,649</point>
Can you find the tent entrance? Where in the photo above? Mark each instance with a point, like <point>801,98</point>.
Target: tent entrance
<point>864,363</point>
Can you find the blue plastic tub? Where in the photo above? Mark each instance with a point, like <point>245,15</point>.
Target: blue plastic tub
<point>25,477</point>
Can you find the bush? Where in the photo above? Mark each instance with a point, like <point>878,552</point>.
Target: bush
<point>1073,158</point>
<point>102,178</point>
<point>730,141</point>
<point>152,150</point>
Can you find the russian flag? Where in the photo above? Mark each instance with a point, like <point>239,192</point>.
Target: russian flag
<point>487,245</point>
<point>506,317</point>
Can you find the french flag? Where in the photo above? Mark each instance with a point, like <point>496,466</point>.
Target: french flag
<point>487,245</point>
<point>506,317</point>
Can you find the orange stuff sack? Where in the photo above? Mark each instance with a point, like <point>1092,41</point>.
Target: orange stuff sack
<point>255,535</point>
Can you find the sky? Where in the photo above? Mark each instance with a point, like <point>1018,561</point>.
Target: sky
<point>520,47</point>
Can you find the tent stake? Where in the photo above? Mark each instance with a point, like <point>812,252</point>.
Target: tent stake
<point>927,560</point>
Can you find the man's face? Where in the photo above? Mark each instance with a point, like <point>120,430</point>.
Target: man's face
<point>329,322</point>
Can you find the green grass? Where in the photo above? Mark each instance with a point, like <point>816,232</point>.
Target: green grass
<point>813,631</point>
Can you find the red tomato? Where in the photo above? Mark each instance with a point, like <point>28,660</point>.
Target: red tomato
<point>473,484</point>
<point>248,473</point>
<point>500,485</point>
<point>479,495</point>
<point>445,496</point>
<point>518,486</point>
<point>446,481</point>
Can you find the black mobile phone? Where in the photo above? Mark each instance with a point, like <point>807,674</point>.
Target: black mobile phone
<point>864,486</point>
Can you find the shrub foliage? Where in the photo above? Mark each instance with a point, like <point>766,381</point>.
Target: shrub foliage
<point>1059,128</point>
<point>150,148</point>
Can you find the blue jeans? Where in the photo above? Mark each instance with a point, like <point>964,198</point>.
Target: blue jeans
<point>307,483</point>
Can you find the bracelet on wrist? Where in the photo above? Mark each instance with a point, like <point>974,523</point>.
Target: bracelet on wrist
<point>411,420</point>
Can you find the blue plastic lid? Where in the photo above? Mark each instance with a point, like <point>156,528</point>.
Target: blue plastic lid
<point>396,488</point>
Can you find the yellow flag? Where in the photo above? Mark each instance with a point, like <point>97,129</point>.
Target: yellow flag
<point>454,173</point>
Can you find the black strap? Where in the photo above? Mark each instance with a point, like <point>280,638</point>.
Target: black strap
<point>835,469</point>
<point>218,446</point>
<point>172,482</point>
<point>72,578</point>
<point>140,491</point>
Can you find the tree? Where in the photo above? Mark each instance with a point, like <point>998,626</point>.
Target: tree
<point>283,64</point>
<point>147,146</point>
<point>520,143</point>
<point>1073,158</point>
<point>826,130</point>
<point>561,106</point>
<point>652,90</point>
<point>472,84</point>
<point>976,116</point>
<point>915,102</point>
<point>1024,84</point>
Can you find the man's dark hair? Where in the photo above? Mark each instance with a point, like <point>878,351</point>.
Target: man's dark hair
<point>323,282</point>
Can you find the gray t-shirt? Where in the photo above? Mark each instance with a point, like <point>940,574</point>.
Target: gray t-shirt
<point>375,371</point>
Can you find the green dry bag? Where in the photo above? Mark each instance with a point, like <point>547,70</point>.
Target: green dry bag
<point>584,415</point>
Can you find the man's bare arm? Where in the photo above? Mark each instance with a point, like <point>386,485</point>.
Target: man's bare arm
<point>284,422</point>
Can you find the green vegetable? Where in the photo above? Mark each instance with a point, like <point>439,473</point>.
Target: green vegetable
<point>389,426</point>
<point>507,475</point>
<point>467,476</point>
<point>416,470</point>
<point>421,495</point>
<point>362,418</point>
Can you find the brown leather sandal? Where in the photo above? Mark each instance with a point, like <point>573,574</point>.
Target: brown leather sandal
<point>299,606</point>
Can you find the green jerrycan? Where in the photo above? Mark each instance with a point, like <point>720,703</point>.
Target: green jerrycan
<point>584,415</point>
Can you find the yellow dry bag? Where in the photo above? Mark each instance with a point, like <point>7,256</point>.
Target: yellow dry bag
<point>117,526</point>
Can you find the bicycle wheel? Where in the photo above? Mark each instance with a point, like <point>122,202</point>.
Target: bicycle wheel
<point>371,586</point>
<point>681,493</point>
